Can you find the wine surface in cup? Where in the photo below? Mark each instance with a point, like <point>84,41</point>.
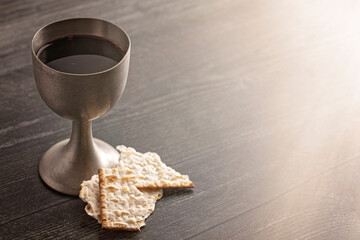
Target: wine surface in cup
<point>80,54</point>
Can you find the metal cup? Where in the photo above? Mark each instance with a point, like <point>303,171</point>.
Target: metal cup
<point>80,98</point>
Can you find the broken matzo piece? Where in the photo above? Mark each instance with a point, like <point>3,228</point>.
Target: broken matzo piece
<point>149,170</point>
<point>89,193</point>
<point>122,205</point>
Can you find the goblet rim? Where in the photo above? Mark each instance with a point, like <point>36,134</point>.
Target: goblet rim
<point>81,74</point>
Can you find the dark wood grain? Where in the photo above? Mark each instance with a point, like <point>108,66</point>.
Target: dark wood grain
<point>258,101</point>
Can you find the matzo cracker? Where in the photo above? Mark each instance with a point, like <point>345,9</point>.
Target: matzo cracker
<point>149,170</point>
<point>122,205</point>
<point>89,193</point>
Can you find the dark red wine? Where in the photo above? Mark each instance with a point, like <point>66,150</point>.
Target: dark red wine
<point>80,54</point>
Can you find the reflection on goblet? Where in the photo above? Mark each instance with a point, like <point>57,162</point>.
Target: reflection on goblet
<point>80,98</point>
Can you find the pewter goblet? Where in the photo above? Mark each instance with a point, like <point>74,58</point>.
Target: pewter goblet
<point>80,98</point>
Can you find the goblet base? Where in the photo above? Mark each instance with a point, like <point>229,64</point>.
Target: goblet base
<point>66,165</point>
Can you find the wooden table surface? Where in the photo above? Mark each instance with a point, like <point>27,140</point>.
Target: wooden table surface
<point>257,101</point>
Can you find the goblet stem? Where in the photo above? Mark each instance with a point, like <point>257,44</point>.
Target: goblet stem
<point>81,135</point>
<point>66,164</point>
